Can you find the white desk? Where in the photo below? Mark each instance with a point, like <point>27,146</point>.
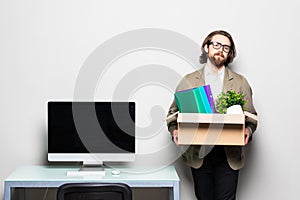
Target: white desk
<point>53,177</point>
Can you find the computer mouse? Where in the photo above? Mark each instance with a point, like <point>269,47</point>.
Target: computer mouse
<point>115,172</point>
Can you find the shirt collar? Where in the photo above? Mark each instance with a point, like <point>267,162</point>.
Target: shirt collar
<point>208,72</point>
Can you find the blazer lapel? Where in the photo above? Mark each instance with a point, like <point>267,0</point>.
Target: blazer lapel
<point>201,77</point>
<point>227,83</point>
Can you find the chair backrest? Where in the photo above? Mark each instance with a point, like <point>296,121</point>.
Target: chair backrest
<point>94,191</point>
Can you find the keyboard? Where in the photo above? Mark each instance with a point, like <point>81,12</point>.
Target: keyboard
<point>86,173</point>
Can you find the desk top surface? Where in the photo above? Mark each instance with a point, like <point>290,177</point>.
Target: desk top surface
<point>59,173</point>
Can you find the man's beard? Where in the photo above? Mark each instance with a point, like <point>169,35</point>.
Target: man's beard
<point>217,59</point>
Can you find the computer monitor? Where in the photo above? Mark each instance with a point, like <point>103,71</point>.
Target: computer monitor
<point>91,132</point>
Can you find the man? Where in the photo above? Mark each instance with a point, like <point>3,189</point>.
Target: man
<point>215,169</point>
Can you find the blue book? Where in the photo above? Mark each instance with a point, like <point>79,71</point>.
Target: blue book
<point>202,99</point>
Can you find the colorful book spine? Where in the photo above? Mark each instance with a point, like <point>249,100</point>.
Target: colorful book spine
<point>210,97</point>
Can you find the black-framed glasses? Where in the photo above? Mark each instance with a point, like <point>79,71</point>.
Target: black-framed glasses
<point>218,45</point>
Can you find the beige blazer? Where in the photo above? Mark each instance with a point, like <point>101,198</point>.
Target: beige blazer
<point>232,81</point>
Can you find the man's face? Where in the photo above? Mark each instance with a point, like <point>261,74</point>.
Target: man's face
<point>218,56</point>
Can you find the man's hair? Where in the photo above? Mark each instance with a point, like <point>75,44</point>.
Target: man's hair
<point>231,54</point>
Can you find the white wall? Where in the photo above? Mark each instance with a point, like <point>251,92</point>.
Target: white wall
<point>43,45</point>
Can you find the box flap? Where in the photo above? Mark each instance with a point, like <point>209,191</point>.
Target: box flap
<point>211,118</point>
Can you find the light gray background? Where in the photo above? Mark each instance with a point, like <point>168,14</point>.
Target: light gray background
<point>43,45</point>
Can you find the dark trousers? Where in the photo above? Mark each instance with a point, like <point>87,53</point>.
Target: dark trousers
<point>215,180</point>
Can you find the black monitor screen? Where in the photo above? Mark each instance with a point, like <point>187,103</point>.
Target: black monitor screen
<point>91,127</point>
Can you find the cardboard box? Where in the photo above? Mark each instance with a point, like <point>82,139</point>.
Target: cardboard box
<point>211,129</point>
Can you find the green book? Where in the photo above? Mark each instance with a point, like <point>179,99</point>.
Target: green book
<point>187,101</point>
<point>195,100</point>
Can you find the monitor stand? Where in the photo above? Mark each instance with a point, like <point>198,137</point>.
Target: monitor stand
<point>89,169</point>
<point>92,166</point>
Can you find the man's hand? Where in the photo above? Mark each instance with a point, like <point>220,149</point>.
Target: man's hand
<point>247,135</point>
<point>175,137</point>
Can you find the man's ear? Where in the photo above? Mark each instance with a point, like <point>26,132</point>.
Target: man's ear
<point>205,48</point>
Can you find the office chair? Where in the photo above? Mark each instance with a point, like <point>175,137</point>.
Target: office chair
<point>94,191</point>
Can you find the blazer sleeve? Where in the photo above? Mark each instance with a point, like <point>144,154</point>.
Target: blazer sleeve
<point>172,122</point>
<point>246,89</point>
